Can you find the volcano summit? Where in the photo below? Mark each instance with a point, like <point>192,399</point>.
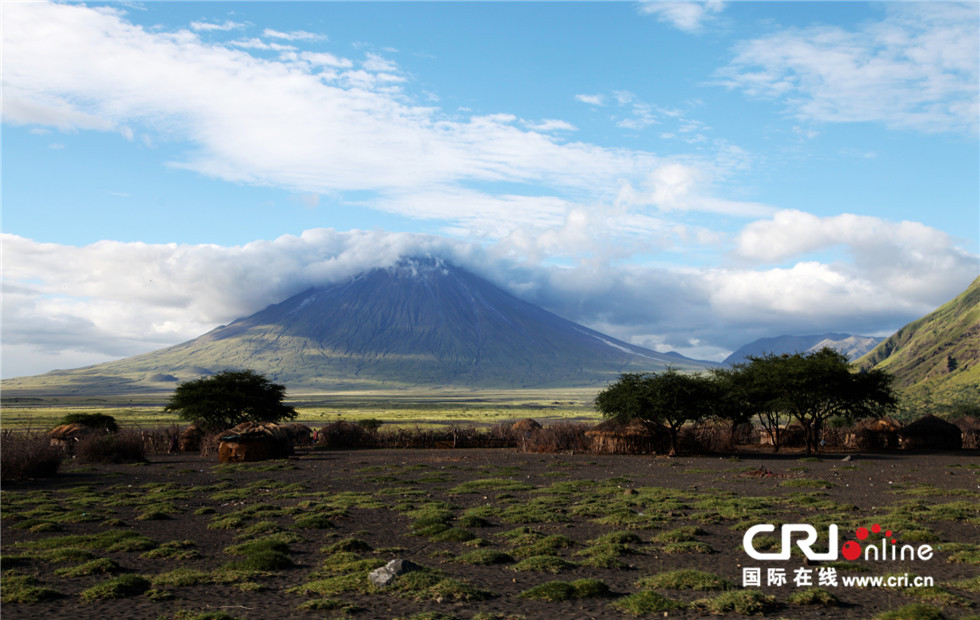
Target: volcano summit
<point>419,323</point>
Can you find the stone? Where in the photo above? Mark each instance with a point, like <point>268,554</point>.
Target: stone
<point>387,574</point>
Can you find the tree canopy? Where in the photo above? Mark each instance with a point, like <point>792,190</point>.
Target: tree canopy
<point>228,398</point>
<point>668,398</point>
<point>808,387</point>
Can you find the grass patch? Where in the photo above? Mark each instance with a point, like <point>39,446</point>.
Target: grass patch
<point>483,485</point>
<point>685,579</point>
<point>25,589</point>
<point>913,611</point>
<point>485,557</point>
<point>120,587</point>
<point>743,602</point>
<point>99,566</point>
<point>688,547</point>
<point>543,564</point>
<point>817,597</point>
<point>566,591</point>
<point>937,596</point>
<point>646,602</point>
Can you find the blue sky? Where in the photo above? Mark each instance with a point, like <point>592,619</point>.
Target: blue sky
<point>687,176</point>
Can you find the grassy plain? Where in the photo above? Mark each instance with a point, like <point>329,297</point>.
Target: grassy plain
<point>398,408</point>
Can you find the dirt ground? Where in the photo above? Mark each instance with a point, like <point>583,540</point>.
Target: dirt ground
<point>377,497</point>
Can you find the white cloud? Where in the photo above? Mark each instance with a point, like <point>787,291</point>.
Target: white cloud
<point>903,257</point>
<point>687,16</point>
<point>279,122</point>
<point>597,100</point>
<point>296,35</point>
<point>551,124</point>
<point>917,69</point>
<point>66,305</point>
<point>212,27</point>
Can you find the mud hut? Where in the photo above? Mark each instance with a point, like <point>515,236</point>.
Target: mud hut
<point>190,439</point>
<point>930,433</point>
<point>299,434</point>
<point>525,427</point>
<point>251,441</point>
<point>67,435</point>
<point>633,437</point>
<point>874,434</point>
<point>791,436</point>
<point>970,430</point>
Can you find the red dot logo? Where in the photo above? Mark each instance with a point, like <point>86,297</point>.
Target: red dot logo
<point>851,550</point>
<point>875,528</point>
<point>862,533</point>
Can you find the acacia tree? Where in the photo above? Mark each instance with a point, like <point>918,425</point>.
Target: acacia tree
<point>732,401</point>
<point>820,385</point>
<point>228,398</point>
<point>669,398</point>
<point>757,387</point>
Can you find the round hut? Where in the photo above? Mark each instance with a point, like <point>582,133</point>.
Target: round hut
<point>970,430</point>
<point>874,434</point>
<point>525,427</point>
<point>253,441</point>
<point>67,435</point>
<point>930,433</point>
<point>633,437</point>
<point>190,439</point>
<point>299,434</point>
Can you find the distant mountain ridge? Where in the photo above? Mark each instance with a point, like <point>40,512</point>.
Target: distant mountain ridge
<point>936,359</point>
<point>419,323</point>
<point>851,346</point>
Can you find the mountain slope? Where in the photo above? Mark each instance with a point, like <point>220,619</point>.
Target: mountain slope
<point>851,346</point>
<point>421,323</point>
<point>935,359</point>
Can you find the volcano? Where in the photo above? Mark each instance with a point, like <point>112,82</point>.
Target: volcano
<point>419,323</point>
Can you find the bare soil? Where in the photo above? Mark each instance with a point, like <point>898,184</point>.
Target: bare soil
<point>868,488</point>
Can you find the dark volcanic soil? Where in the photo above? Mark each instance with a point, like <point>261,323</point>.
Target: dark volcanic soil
<point>721,496</point>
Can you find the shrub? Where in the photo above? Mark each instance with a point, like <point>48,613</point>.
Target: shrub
<point>124,447</point>
<point>561,437</point>
<point>101,421</point>
<point>344,434</point>
<point>370,424</point>
<point>23,457</point>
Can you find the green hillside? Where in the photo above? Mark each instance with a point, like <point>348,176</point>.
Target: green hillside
<point>936,359</point>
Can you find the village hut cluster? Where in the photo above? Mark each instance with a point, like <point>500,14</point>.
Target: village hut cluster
<point>252,441</point>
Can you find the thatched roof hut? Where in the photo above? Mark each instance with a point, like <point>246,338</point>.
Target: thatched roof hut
<point>633,437</point>
<point>252,441</point>
<point>66,435</point>
<point>190,438</point>
<point>525,426</point>
<point>872,434</point>
<point>930,433</point>
<point>300,434</point>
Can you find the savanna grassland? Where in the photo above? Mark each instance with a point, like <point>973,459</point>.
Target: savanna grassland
<point>393,408</point>
<point>499,534</point>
